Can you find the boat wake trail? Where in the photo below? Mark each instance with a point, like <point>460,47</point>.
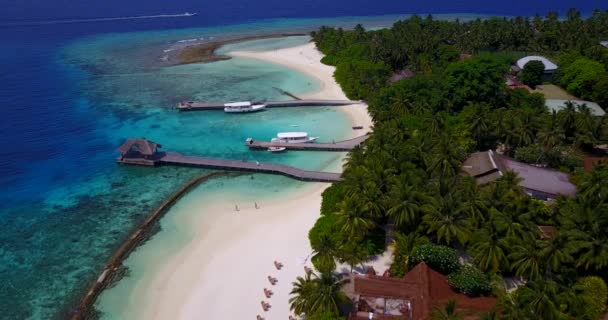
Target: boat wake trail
<point>85,20</point>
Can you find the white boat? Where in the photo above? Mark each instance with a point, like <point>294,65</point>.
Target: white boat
<point>244,106</point>
<point>276,149</point>
<point>294,137</point>
<point>190,14</point>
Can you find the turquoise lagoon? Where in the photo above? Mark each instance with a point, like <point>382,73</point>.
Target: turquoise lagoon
<point>69,206</point>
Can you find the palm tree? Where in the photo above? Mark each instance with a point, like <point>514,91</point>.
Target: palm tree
<point>567,117</point>
<point>526,258</point>
<point>302,292</point>
<point>317,294</point>
<point>328,295</point>
<point>354,221</point>
<point>447,220</point>
<point>324,252</point>
<point>447,157</point>
<point>555,253</point>
<point>541,299</point>
<point>407,203</point>
<point>488,248</point>
<point>593,184</point>
<point>479,121</point>
<point>551,133</point>
<point>448,312</point>
<point>586,223</point>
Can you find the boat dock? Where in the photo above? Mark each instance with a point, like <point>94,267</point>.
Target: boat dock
<point>145,153</point>
<point>208,106</point>
<point>345,145</point>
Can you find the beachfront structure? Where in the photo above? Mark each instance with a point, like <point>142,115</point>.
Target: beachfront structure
<point>559,104</point>
<point>550,67</point>
<point>604,43</point>
<point>412,297</point>
<point>139,151</point>
<point>540,183</point>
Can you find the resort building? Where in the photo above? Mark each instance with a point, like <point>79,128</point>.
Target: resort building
<point>550,67</point>
<point>412,297</point>
<point>604,43</point>
<point>559,104</point>
<point>540,183</point>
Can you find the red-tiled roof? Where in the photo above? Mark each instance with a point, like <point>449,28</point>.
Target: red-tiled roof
<point>424,287</point>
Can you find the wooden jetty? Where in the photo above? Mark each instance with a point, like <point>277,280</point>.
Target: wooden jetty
<point>207,106</point>
<point>345,145</point>
<point>145,153</point>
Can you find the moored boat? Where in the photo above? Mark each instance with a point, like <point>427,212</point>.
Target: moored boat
<point>243,106</point>
<point>276,149</point>
<point>294,137</point>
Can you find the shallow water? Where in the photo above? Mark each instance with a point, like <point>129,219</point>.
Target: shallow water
<point>65,206</point>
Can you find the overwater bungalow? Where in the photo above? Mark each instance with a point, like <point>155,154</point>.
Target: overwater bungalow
<point>139,151</point>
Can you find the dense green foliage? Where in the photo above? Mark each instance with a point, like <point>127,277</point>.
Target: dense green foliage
<point>593,294</point>
<point>409,172</point>
<point>581,76</point>
<point>331,197</point>
<point>532,74</point>
<point>471,281</point>
<point>441,258</point>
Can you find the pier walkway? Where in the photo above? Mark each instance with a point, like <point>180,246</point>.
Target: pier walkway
<point>207,106</point>
<point>345,145</point>
<point>145,153</point>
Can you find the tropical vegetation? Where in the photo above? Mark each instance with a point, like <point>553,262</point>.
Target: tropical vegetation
<point>408,174</point>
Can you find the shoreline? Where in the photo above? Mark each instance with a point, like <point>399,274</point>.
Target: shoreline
<point>228,255</point>
<point>206,52</point>
<point>306,59</point>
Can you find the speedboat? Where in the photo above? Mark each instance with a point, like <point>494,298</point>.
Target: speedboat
<point>189,14</point>
<point>276,149</point>
<point>294,137</point>
<point>244,106</point>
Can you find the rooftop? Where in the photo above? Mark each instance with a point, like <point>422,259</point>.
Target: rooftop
<point>549,66</point>
<point>604,43</point>
<point>422,288</point>
<point>403,74</point>
<point>559,104</point>
<point>142,146</point>
<point>488,166</point>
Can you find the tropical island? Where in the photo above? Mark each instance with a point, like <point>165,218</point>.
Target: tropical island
<point>477,194</point>
<point>482,172</point>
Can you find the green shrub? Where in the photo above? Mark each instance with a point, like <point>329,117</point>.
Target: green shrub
<point>324,225</point>
<point>329,60</point>
<point>593,295</point>
<point>330,199</point>
<point>441,258</point>
<point>532,74</point>
<point>470,281</point>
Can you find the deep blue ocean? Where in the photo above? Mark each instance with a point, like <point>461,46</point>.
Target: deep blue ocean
<point>70,92</point>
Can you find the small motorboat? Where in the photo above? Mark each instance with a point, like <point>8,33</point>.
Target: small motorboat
<point>276,149</point>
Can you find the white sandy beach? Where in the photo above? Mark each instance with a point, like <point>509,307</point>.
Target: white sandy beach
<point>306,59</point>
<point>221,272</point>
